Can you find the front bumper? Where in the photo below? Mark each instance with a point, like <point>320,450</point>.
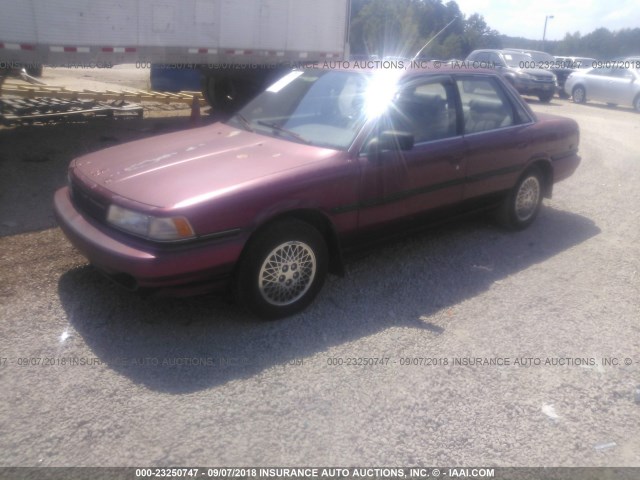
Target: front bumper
<point>174,268</point>
<point>531,87</point>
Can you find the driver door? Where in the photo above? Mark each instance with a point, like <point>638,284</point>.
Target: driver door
<point>400,185</point>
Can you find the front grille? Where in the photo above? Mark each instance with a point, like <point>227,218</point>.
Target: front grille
<point>542,78</point>
<point>88,203</point>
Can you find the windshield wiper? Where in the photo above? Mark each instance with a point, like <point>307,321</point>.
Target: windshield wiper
<point>280,128</point>
<point>244,121</point>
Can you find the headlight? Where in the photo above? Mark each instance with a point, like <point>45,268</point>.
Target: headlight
<point>526,76</point>
<point>148,226</point>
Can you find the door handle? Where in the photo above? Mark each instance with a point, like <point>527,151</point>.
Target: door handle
<point>455,160</point>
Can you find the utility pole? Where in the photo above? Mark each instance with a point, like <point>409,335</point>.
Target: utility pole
<point>544,34</point>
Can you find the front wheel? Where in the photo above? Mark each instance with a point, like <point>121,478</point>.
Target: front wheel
<point>579,94</point>
<point>546,97</point>
<point>283,270</point>
<point>521,206</point>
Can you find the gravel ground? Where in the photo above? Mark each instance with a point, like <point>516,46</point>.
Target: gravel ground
<point>114,386</point>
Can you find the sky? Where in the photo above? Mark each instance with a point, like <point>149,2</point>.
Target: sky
<point>519,19</point>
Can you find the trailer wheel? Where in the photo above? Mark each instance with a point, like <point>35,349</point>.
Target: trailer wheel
<point>34,70</point>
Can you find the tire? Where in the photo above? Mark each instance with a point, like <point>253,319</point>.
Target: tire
<point>521,206</point>
<point>282,270</point>
<point>636,103</point>
<point>579,94</point>
<point>545,98</point>
<point>34,70</point>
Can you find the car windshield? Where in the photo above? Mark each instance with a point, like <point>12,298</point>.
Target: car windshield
<point>316,107</point>
<point>517,59</point>
<point>541,57</point>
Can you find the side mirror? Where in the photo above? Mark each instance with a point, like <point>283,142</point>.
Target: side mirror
<point>391,140</point>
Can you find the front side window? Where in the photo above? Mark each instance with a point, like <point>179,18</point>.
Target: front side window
<point>496,60</point>
<point>485,105</point>
<point>426,109</point>
<point>480,57</point>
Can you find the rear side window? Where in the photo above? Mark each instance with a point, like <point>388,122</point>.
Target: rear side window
<point>621,73</point>
<point>485,105</point>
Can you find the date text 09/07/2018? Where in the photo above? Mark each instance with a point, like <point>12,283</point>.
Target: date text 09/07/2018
<point>312,472</point>
<point>472,361</point>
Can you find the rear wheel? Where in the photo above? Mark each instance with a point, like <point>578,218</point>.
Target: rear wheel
<point>34,70</point>
<point>282,270</point>
<point>521,206</point>
<point>579,94</point>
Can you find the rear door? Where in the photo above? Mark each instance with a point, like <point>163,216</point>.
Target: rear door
<point>620,86</point>
<point>496,134</point>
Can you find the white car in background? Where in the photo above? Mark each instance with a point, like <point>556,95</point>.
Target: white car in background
<point>612,85</point>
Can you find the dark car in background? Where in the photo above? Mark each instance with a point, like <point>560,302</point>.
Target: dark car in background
<point>565,66</point>
<point>548,62</point>
<point>576,63</point>
<point>317,166</point>
<point>519,69</point>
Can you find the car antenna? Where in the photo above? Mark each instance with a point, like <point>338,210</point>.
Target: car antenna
<point>433,38</point>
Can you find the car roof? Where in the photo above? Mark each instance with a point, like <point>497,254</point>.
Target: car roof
<point>501,50</point>
<point>525,50</point>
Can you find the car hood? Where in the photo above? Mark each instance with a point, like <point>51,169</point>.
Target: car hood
<point>185,167</point>
<point>538,72</point>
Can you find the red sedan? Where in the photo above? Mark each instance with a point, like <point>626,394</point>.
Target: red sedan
<point>321,162</point>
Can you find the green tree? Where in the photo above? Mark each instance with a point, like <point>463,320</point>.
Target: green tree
<point>403,27</point>
<point>385,28</point>
<point>477,34</point>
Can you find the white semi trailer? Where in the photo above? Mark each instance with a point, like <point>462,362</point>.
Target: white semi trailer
<point>238,44</point>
